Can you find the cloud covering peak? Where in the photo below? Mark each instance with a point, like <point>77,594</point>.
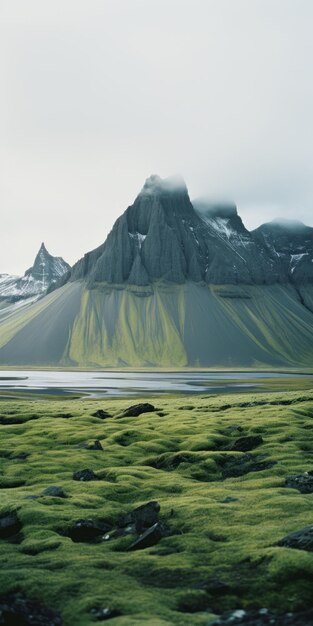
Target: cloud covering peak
<point>155,185</point>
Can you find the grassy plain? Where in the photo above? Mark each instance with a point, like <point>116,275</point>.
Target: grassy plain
<point>219,527</point>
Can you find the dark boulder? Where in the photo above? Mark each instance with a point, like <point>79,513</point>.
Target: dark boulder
<point>18,611</point>
<point>148,538</point>
<point>244,444</point>
<point>100,413</point>
<point>300,539</point>
<point>87,531</point>
<point>142,517</point>
<point>9,525</point>
<point>85,475</point>
<point>234,467</point>
<point>302,482</point>
<point>137,409</point>
<point>54,492</point>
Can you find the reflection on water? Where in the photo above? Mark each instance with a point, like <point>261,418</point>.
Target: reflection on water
<point>111,384</point>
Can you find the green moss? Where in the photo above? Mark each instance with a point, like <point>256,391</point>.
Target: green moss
<point>226,529</point>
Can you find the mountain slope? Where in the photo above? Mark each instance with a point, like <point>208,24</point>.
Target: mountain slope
<point>174,285</point>
<point>178,325</point>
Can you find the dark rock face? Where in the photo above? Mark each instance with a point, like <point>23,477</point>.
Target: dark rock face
<point>264,617</point>
<point>18,611</point>
<point>244,444</point>
<point>85,475</point>
<point>138,409</point>
<point>292,243</point>
<point>163,236</point>
<point>302,482</point>
<point>9,525</point>
<point>300,539</point>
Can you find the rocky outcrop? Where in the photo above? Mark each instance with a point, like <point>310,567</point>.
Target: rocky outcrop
<point>46,271</point>
<point>163,236</point>
<point>290,245</point>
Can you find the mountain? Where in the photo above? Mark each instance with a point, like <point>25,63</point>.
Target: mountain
<point>16,291</point>
<point>176,284</point>
<point>291,243</point>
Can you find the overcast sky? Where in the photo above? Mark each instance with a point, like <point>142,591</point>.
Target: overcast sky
<point>96,95</point>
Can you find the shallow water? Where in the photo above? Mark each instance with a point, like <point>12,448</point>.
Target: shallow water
<point>116,384</point>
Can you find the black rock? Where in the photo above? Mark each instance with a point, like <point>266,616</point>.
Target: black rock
<point>103,614</point>
<point>300,539</point>
<point>137,409</point>
<point>9,525</point>
<point>148,538</point>
<point>244,444</point>
<point>302,482</point>
<point>233,467</point>
<point>96,445</point>
<point>85,475</point>
<point>18,611</point>
<point>229,499</point>
<point>142,517</point>
<point>88,531</point>
<point>100,413</point>
<point>264,617</point>
<point>54,492</point>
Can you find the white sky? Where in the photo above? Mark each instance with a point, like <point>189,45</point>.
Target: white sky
<point>96,95</point>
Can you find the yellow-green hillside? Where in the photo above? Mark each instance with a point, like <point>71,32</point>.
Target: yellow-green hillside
<point>163,325</point>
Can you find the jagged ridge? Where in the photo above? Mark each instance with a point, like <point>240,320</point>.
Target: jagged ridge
<point>163,236</point>
<point>45,271</point>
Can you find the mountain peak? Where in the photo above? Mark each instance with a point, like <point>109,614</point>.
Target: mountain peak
<point>155,185</point>
<point>45,271</point>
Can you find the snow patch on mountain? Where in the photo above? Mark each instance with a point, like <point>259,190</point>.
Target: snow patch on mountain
<point>138,238</point>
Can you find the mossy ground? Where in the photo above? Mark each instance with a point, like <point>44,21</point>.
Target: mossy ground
<point>218,528</point>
